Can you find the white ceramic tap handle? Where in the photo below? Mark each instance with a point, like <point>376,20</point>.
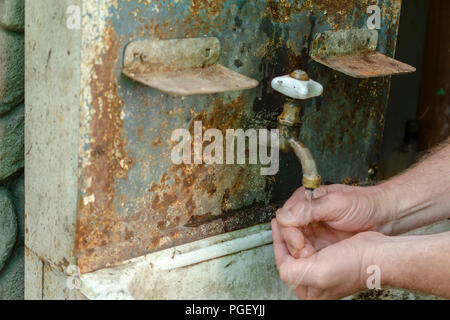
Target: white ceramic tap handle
<point>297,89</point>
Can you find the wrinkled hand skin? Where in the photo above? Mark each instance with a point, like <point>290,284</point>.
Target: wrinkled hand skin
<point>321,247</point>
<point>334,272</point>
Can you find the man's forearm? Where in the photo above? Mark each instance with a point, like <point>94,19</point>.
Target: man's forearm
<point>418,197</point>
<point>419,263</point>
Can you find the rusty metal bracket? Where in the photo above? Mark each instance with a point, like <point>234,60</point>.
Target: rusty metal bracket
<point>353,52</point>
<point>182,67</point>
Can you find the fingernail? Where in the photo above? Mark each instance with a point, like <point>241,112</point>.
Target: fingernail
<point>296,253</point>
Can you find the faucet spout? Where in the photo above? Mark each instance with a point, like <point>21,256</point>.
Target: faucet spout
<point>289,123</point>
<point>311,177</point>
<point>297,85</point>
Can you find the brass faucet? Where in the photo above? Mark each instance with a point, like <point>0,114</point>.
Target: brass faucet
<point>297,86</point>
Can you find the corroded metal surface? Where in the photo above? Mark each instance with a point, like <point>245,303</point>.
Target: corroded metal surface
<point>171,55</point>
<point>366,66</point>
<point>353,52</point>
<point>344,42</point>
<point>209,80</point>
<point>132,199</point>
<point>182,67</point>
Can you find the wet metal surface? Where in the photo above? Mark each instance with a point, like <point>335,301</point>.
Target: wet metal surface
<point>353,52</point>
<point>132,199</point>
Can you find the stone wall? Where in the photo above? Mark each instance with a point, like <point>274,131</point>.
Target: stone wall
<point>12,196</point>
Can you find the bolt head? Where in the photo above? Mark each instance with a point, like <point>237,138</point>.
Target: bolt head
<point>144,57</point>
<point>300,75</point>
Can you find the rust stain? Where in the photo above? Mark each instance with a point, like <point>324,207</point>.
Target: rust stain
<point>351,181</point>
<point>157,142</point>
<point>140,134</point>
<point>210,7</point>
<point>203,16</point>
<point>365,65</point>
<point>112,254</point>
<point>177,201</point>
<point>280,11</point>
<point>98,223</point>
<point>339,7</point>
<point>335,10</point>
<point>182,195</point>
<point>363,105</point>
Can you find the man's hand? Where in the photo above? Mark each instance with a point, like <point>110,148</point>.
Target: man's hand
<point>419,263</point>
<point>323,247</point>
<point>342,211</point>
<point>336,271</point>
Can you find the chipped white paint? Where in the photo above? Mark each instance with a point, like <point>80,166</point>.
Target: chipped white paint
<point>89,199</point>
<point>184,259</point>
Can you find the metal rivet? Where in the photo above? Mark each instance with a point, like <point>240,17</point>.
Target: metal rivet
<point>144,57</point>
<point>300,75</point>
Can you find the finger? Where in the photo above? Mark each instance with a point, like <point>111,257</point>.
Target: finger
<point>328,207</point>
<point>298,195</point>
<point>301,292</point>
<point>321,235</point>
<point>322,191</point>
<point>294,240</point>
<point>324,208</point>
<point>298,215</point>
<point>309,250</point>
<point>279,247</point>
<point>340,188</point>
<point>302,268</point>
<point>297,210</point>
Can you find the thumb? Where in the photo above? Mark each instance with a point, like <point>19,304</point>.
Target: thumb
<point>302,212</point>
<point>299,215</point>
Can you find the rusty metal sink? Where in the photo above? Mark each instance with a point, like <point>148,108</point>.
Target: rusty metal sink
<point>238,265</point>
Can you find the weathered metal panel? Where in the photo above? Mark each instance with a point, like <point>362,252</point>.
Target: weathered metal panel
<point>132,199</point>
